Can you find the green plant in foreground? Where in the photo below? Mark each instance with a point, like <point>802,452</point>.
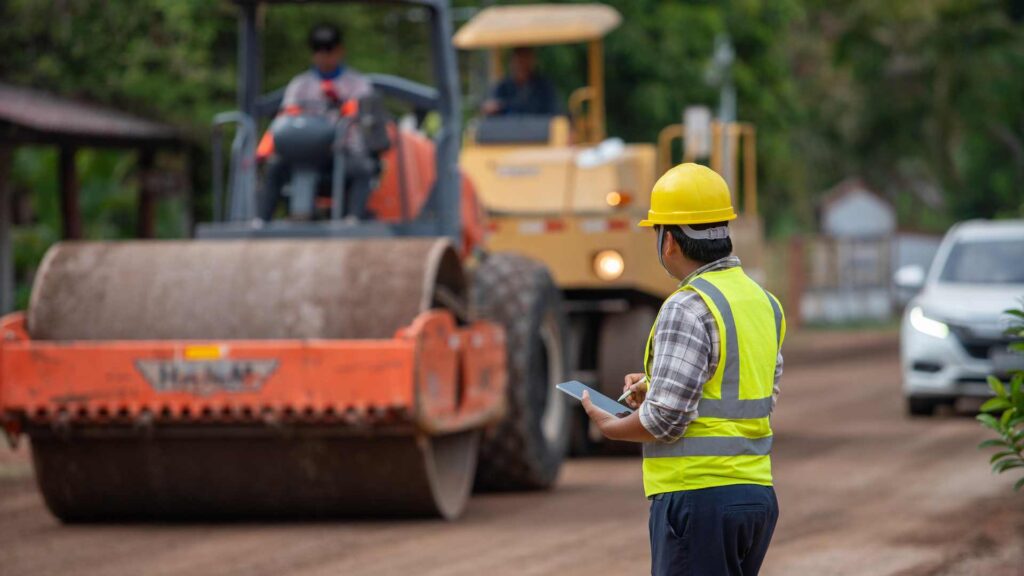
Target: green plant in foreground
<point>1009,400</point>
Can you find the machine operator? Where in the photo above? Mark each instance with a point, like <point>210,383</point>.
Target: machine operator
<point>330,88</point>
<point>524,90</point>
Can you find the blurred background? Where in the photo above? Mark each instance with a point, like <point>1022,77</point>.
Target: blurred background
<point>875,150</point>
<point>919,102</point>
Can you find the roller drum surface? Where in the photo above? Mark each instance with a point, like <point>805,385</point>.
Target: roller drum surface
<point>258,289</point>
<point>267,289</point>
<point>218,477</point>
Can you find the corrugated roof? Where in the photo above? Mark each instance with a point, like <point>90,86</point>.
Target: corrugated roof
<point>537,24</point>
<point>33,115</point>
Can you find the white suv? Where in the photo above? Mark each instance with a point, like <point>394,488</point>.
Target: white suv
<point>952,337</point>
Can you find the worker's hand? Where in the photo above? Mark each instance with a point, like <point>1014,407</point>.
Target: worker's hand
<point>599,417</point>
<point>490,107</point>
<point>637,388</point>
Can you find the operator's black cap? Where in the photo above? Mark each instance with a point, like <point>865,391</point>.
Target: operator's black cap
<point>325,36</point>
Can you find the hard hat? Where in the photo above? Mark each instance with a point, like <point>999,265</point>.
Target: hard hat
<point>689,194</point>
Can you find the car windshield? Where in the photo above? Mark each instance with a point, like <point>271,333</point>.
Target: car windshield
<point>985,262</point>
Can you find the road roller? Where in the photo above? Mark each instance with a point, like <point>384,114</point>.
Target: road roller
<point>558,189</point>
<point>319,364</point>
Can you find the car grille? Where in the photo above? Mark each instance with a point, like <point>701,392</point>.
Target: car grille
<point>976,346</point>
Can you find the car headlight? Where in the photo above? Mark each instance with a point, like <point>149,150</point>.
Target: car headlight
<point>609,265</point>
<point>926,325</point>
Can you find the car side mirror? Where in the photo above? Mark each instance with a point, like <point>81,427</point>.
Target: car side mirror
<point>910,277</point>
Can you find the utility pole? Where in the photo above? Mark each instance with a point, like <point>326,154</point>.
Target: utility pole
<point>719,73</point>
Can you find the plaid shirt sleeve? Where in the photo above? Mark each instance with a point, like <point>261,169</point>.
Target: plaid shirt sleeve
<point>686,345</point>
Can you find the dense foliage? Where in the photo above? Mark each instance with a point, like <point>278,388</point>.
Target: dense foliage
<point>922,99</point>
<point>1004,414</point>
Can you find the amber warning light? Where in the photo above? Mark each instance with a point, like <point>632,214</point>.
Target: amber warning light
<point>618,199</point>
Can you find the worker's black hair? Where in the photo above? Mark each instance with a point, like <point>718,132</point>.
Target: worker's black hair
<point>703,251</point>
<point>325,36</point>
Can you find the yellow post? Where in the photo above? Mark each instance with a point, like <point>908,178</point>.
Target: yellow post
<point>595,77</point>
<point>750,170</point>
<point>733,133</point>
<point>668,135</point>
<point>716,146</point>
<point>580,123</point>
<point>497,65</point>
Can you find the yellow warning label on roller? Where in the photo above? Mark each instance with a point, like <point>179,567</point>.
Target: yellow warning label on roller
<point>205,352</point>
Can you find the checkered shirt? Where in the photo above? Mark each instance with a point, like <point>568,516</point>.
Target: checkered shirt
<point>686,350</point>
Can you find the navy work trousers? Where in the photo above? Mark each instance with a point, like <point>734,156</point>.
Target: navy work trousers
<point>721,531</point>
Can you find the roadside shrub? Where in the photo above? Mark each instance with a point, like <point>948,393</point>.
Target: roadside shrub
<point>1008,405</point>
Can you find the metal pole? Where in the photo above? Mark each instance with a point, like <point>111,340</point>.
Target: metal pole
<point>6,259</point>
<point>217,163</point>
<point>448,186</point>
<point>70,214</point>
<point>719,73</point>
<point>146,224</point>
<point>249,58</point>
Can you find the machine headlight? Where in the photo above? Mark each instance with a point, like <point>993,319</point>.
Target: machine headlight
<point>618,199</point>
<point>926,325</point>
<point>609,265</point>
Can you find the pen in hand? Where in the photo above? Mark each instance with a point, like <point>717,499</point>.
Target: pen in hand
<point>628,392</point>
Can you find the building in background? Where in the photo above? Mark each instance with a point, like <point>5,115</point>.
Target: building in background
<point>850,264</point>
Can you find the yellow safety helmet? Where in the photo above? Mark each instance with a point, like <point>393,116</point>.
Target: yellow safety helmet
<point>689,194</point>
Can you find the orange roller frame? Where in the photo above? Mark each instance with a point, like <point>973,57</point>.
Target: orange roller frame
<point>433,374</point>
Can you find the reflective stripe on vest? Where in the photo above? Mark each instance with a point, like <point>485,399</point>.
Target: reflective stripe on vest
<point>730,406</point>
<point>709,446</point>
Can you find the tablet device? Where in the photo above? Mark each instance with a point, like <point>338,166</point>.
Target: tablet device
<point>575,389</point>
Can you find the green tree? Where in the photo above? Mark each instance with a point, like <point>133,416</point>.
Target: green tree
<point>918,96</point>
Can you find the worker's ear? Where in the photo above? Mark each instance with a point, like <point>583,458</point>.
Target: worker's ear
<point>669,248</point>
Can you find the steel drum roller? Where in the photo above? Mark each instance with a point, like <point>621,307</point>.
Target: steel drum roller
<point>258,289</point>
<point>266,289</point>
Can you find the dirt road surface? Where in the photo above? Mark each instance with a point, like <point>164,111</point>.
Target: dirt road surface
<point>863,490</point>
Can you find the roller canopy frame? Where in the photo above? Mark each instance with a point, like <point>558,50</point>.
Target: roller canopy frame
<point>441,214</point>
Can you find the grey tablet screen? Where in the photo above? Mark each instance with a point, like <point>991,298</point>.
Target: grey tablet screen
<point>575,389</point>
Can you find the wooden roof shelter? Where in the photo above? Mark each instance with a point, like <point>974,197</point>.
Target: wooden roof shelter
<point>33,117</point>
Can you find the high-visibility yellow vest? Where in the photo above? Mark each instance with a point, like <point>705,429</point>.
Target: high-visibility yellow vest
<point>731,439</point>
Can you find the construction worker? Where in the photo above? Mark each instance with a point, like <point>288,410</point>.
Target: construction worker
<point>710,380</point>
<point>325,88</point>
<point>524,90</point>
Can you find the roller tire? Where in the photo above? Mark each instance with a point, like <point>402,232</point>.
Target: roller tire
<point>519,294</point>
<point>620,350</point>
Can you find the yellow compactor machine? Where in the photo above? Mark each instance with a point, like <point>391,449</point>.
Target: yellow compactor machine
<point>558,190</point>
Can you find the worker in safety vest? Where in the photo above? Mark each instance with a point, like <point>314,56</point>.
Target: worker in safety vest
<point>710,380</point>
<point>330,88</point>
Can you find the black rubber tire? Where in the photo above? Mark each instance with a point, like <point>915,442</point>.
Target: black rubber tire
<point>621,345</point>
<point>923,405</point>
<point>519,294</point>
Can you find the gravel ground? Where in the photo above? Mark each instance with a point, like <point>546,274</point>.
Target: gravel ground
<point>863,490</point>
